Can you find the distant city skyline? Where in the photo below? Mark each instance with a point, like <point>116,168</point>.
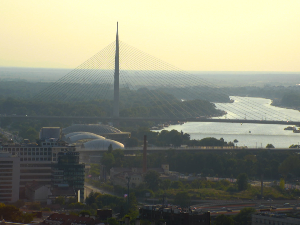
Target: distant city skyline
<point>194,35</point>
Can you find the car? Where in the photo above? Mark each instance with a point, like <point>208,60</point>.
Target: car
<point>286,204</point>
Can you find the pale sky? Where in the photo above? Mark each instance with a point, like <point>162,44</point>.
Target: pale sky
<point>203,35</point>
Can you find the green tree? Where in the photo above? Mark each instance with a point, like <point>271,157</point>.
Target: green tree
<point>182,198</point>
<point>244,216</point>
<point>34,206</point>
<point>223,220</point>
<point>112,221</point>
<point>270,146</point>
<point>281,184</point>
<point>19,203</point>
<point>235,141</point>
<point>10,213</point>
<point>72,200</point>
<point>131,142</point>
<point>26,218</point>
<point>31,134</point>
<point>60,200</point>
<point>110,148</point>
<point>132,201</point>
<point>85,212</point>
<point>165,184</point>
<point>294,146</point>
<point>108,160</point>
<point>242,181</point>
<point>177,185</point>
<point>291,165</point>
<point>152,179</point>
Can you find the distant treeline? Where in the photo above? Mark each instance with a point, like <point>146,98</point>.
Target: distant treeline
<point>25,98</point>
<point>171,138</point>
<point>91,91</point>
<point>291,100</point>
<point>273,165</point>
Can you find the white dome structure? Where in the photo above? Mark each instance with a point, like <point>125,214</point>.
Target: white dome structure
<point>83,136</point>
<point>106,131</point>
<point>75,133</point>
<point>102,144</point>
<point>93,128</point>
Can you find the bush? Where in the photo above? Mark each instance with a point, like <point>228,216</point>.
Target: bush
<point>34,206</point>
<point>46,209</point>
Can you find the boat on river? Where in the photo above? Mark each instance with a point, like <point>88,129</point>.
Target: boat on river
<point>290,128</point>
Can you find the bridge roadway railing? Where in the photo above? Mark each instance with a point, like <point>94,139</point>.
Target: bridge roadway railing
<point>189,149</point>
<point>204,120</point>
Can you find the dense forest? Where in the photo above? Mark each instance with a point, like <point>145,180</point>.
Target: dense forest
<point>273,165</point>
<point>25,98</point>
<point>171,138</point>
<point>290,100</point>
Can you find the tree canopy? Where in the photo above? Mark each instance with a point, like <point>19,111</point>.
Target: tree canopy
<point>242,181</point>
<point>152,179</point>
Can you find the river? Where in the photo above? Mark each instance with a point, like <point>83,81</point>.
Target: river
<point>250,135</point>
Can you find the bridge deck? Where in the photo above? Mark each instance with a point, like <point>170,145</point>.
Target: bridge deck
<point>203,120</point>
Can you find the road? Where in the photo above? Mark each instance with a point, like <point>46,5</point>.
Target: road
<point>231,208</point>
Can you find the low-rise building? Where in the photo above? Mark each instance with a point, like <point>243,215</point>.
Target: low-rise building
<point>274,218</point>
<point>119,175</point>
<point>37,192</point>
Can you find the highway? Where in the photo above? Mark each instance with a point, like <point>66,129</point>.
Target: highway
<point>233,207</point>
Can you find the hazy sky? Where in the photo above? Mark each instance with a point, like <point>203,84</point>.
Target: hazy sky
<point>205,35</point>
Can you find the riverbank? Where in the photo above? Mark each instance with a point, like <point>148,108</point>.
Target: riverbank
<point>250,135</point>
<point>277,103</point>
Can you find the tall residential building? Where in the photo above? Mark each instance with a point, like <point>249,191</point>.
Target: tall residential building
<point>9,177</point>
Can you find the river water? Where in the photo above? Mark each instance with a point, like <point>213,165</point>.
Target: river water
<point>250,135</point>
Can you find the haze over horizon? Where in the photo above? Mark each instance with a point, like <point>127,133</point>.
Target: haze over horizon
<point>193,35</point>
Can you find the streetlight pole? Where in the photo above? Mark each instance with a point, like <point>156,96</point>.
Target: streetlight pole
<point>128,180</point>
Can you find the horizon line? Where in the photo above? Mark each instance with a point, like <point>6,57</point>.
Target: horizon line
<point>213,71</point>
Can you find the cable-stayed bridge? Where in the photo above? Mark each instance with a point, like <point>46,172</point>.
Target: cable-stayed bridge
<point>123,83</point>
